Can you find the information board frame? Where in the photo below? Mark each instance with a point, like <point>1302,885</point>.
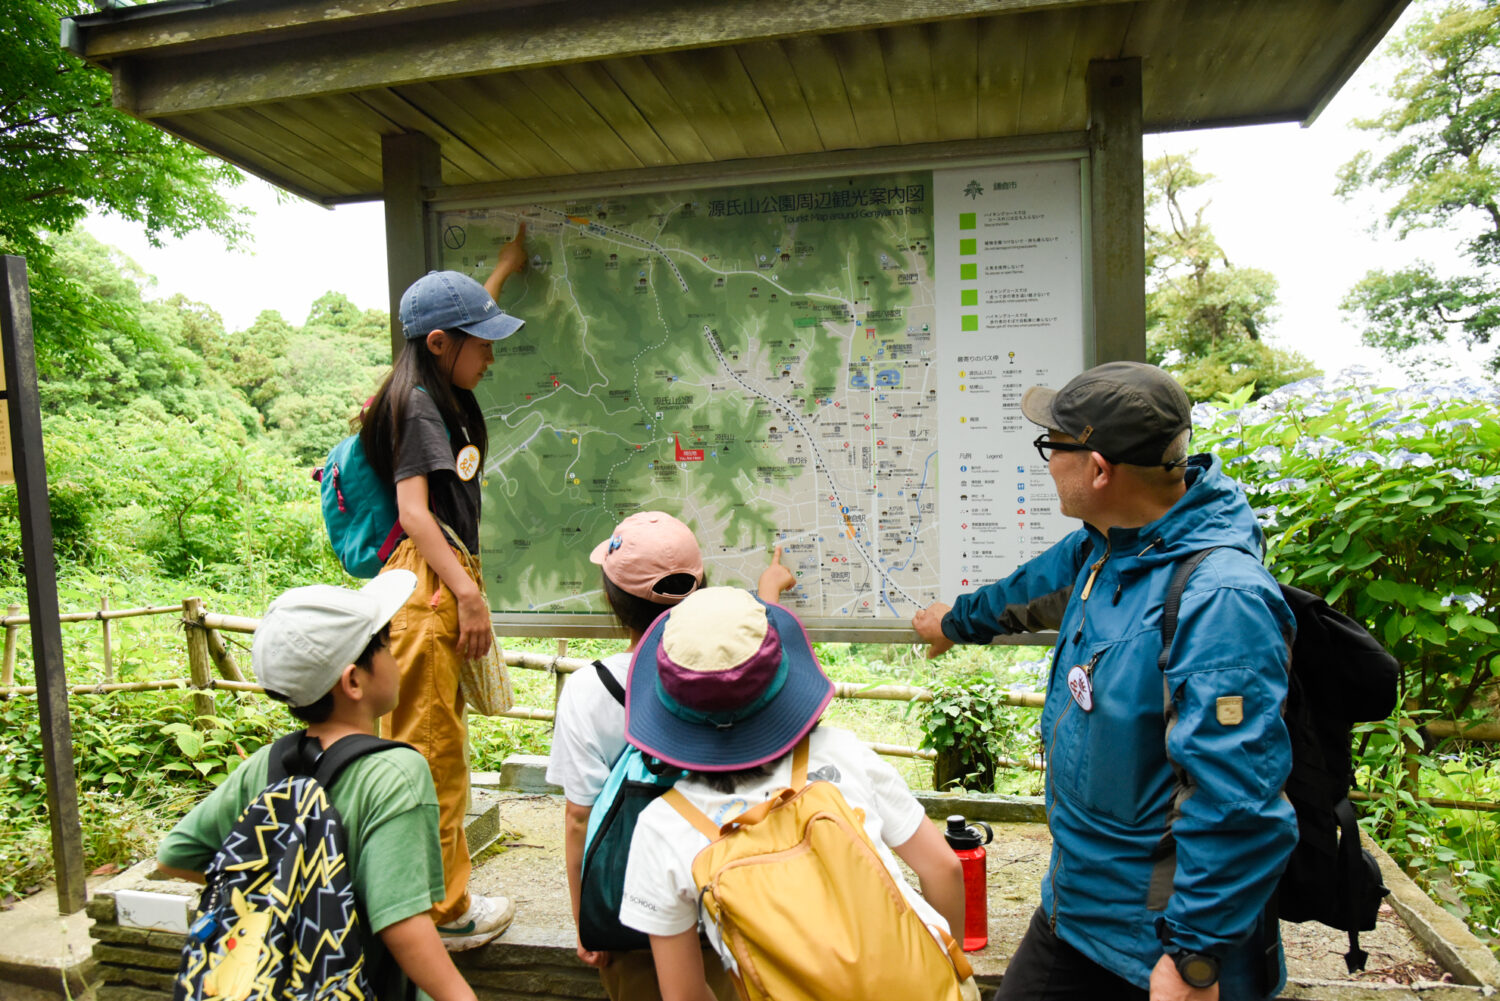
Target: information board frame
<point>1048,150</point>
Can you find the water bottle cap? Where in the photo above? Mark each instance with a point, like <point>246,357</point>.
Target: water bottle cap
<point>960,835</point>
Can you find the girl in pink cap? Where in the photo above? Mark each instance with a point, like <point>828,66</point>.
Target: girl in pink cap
<point>649,563</point>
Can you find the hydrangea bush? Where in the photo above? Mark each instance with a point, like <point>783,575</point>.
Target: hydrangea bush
<point>1385,502</point>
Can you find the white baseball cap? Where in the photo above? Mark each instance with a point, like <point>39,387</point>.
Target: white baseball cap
<point>310,634</point>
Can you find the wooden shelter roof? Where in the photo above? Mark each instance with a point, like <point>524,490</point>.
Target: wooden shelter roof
<point>300,92</point>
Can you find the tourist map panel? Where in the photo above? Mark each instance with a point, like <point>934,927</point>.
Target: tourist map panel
<point>780,363</point>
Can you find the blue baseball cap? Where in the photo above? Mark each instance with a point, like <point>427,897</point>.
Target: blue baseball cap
<point>451,300</point>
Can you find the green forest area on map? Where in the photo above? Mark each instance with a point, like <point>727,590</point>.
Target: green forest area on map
<point>752,360</point>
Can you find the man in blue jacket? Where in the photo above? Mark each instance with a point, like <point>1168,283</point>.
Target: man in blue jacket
<point>1133,752</point>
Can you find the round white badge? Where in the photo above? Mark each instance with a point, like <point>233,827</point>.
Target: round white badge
<point>1081,688</point>
<point>467,463</point>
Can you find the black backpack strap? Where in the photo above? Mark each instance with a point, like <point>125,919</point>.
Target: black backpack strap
<point>292,754</point>
<point>1351,861</point>
<point>298,754</point>
<point>1164,856</point>
<point>345,751</point>
<point>607,679</point>
<point>1173,603</point>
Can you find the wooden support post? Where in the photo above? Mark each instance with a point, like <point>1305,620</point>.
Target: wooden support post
<point>409,164</point>
<point>199,660</point>
<point>559,678</point>
<point>8,667</point>
<point>1117,212</point>
<point>223,659</point>
<point>109,654</point>
<point>38,554</point>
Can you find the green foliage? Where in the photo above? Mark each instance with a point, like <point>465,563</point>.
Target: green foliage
<point>1205,317</point>
<point>1388,504</point>
<point>64,149</point>
<point>140,762</point>
<point>1441,139</point>
<point>975,734</point>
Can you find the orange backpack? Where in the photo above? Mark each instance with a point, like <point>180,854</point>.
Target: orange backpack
<point>807,907</point>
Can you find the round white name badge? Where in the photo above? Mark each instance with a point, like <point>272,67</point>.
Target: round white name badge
<point>467,463</point>
<point>1081,688</point>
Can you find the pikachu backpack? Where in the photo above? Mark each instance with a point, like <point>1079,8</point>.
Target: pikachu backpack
<point>277,919</point>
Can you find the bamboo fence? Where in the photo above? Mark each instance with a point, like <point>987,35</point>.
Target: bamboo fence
<point>212,667</point>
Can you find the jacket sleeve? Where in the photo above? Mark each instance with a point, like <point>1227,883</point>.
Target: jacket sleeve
<point>1227,676</point>
<point>1030,600</point>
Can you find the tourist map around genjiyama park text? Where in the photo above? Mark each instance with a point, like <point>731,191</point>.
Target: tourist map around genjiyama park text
<point>790,362</point>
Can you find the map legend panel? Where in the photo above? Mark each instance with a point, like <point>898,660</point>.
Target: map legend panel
<point>1010,316</point>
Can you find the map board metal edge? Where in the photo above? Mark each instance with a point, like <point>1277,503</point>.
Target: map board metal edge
<point>648,180</point>
<point>821,629</point>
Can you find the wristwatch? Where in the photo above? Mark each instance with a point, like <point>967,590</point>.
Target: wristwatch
<point>1196,969</point>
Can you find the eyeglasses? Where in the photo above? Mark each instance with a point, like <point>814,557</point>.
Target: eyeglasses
<point>1043,443</point>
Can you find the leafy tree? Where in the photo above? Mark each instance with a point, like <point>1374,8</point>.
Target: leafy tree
<point>1445,166</point>
<point>65,149</point>
<point>1205,317</point>
<point>154,353</point>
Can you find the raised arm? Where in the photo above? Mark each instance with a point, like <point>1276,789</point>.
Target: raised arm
<point>512,259</point>
<point>774,580</point>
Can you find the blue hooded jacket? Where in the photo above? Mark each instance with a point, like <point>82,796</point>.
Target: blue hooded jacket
<point>1110,780</point>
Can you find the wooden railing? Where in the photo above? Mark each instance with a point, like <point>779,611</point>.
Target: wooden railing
<point>212,666</point>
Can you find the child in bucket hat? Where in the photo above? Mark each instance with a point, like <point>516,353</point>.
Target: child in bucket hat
<point>726,686</point>
<point>648,564</point>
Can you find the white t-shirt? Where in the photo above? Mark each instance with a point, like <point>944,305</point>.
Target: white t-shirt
<point>660,898</point>
<point>588,733</point>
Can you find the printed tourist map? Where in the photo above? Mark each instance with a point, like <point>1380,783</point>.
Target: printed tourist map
<point>760,360</point>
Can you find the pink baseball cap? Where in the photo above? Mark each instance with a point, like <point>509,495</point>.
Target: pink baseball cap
<point>644,549</point>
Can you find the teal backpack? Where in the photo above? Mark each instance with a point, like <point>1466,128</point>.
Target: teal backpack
<point>359,509</point>
<point>633,783</point>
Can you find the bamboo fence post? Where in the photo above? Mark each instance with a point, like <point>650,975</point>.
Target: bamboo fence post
<point>1412,776</point>
<point>199,660</point>
<point>8,668</point>
<point>223,659</point>
<point>558,678</point>
<point>109,654</point>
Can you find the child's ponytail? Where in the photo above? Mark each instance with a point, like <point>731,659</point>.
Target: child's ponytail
<point>379,424</point>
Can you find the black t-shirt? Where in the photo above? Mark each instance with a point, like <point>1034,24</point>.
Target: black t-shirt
<point>428,450</point>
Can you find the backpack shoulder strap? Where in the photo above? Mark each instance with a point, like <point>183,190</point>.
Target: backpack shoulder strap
<point>332,762</point>
<point>1173,603</point>
<point>691,813</point>
<point>607,679</point>
<point>288,756</point>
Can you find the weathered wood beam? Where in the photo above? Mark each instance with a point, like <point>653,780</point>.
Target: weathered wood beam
<point>270,66</point>
<point>1117,212</point>
<point>410,165</point>
<point>38,556</point>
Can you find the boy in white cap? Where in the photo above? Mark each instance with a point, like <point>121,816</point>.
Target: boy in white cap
<point>324,651</point>
<point>649,563</point>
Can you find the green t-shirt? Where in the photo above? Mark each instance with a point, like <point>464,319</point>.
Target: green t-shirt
<point>389,811</point>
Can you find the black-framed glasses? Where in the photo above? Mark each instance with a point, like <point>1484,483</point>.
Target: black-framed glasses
<point>1043,443</point>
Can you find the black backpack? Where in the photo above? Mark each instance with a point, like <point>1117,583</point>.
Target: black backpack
<point>278,917</point>
<point>1340,675</point>
<point>634,782</point>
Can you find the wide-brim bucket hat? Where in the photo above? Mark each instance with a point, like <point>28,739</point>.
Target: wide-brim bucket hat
<point>723,681</point>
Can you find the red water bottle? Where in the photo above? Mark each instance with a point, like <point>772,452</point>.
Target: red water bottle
<point>965,841</point>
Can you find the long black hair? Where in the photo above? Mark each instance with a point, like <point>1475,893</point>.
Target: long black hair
<point>379,425</point>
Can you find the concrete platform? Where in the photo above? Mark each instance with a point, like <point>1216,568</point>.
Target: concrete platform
<point>1410,952</point>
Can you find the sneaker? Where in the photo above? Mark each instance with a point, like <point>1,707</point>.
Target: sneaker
<point>485,919</point>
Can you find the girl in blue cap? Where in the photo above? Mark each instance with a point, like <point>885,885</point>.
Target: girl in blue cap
<point>424,432</point>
